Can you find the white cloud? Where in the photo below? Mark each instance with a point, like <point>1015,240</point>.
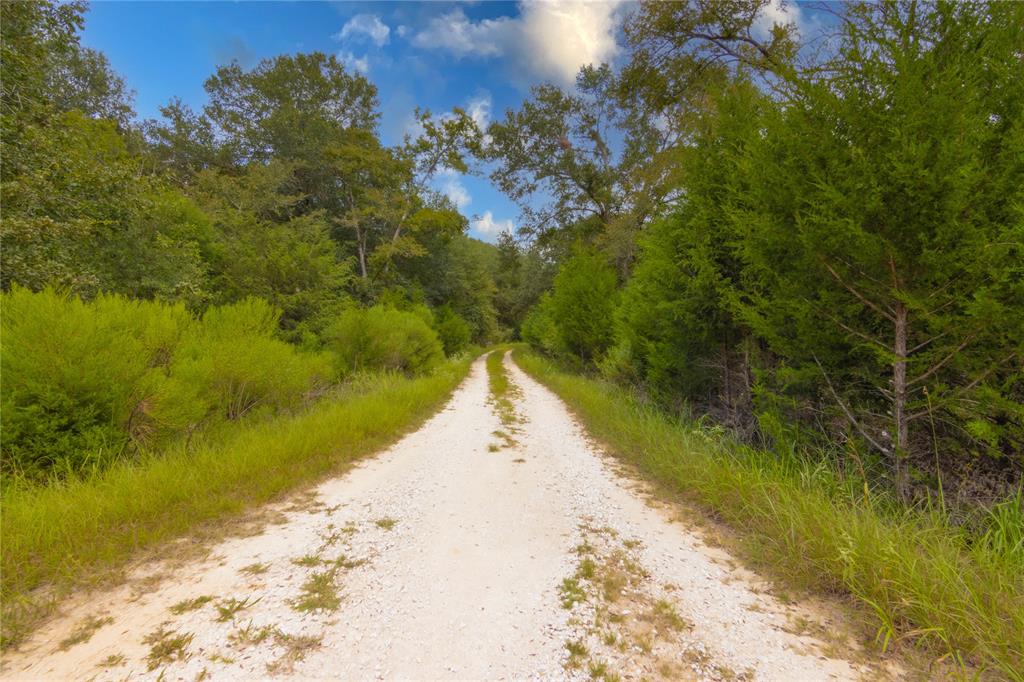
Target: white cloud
<point>548,39</point>
<point>360,64</point>
<point>455,33</point>
<point>459,195</point>
<point>489,227</point>
<point>778,12</point>
<point>402,30</point>
<point>479,109</point>
<point>368,25</point>
<point>562,37</point>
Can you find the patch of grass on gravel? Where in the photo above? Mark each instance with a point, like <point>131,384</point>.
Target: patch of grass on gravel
<point>82,531</point>
<point>166,646</point>
<point>112,661</point>
<point>84,632</point>
<point>502,390</point>
<point>916,574</point>
<point>255,569</point>
<point>387,523</point>
<point>227,608</point>
<point>190,605</point>
<point>252,634</point>
<point>319,592</point>
<point>296,647</point>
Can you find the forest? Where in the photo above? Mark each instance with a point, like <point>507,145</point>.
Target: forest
<point>814,249</point>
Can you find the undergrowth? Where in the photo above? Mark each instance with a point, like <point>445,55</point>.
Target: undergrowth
<point>83,530</point>
<point>917,577</point>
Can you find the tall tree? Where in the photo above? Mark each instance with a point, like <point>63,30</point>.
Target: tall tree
<point>573,157</point>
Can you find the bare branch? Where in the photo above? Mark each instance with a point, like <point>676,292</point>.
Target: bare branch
<point>871,304</point>
<point>846,410</point>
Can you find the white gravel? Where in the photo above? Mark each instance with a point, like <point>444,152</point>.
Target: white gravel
<point>465,584</point>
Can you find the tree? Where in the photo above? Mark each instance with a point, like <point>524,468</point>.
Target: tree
<point>583,158</point>
<point>90,223</point>
<point>583,304</point>
<point>875,219</point>
<point>263,246</point>
<point>288,107</point>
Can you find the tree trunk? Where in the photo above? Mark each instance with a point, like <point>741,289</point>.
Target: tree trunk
<point>727,372</point>
<point>361,246</point>
<point>899,407</point>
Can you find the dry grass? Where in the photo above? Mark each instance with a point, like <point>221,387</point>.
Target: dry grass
<point>84,631</point>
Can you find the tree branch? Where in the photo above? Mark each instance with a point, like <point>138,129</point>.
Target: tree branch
<point>846,410</point>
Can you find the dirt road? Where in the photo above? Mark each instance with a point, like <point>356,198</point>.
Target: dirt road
<point>472,549</point>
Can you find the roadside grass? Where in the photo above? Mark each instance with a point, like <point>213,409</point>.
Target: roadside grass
<point>82,532</point>
<point>915,577</point>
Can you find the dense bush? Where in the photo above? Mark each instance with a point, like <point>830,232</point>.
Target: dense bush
<point>382,338</point>
<point>576,318</point>
<point>583,302</point>
<point>232,364</point>
<point>87,382</point>
<point>540,329</point>
<point>452,330</point>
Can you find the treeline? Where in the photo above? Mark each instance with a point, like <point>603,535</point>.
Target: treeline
<point>819,244</point>
<point>164,276</point>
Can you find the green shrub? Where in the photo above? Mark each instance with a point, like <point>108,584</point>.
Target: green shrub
<point>74,374</point>
<point>452,330</point>
<point>583,304</point>
<point>382,338</point>
<point>231,365</point>
<point>87,382</point>
<point>540,329</point>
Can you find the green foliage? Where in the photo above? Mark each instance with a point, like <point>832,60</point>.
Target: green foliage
<point>232,364</point>
<point>261,247</point>
<point>583,304</point>
<point>382,337</point>
<point>452,330</point>
<point>87,383</point>
<point>540,328</point>
<point>89,223</point>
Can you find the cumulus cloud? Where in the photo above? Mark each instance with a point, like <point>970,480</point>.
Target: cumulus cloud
<point>457,193</point>
<point>479,109</point>
<point>779,12</point>
<point>487,226</point>
<point>368,25</point>
<point>548,39</point>
<point>360,64</point>
<point>455,33</point>
<point>402,30</point>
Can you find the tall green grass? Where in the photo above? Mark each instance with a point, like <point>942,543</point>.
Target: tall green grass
<point>69,534</point>
<point>916,576</point>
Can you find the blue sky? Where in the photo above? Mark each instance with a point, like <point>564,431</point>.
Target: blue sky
<point>433,55</point>
<point>483,56</point>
